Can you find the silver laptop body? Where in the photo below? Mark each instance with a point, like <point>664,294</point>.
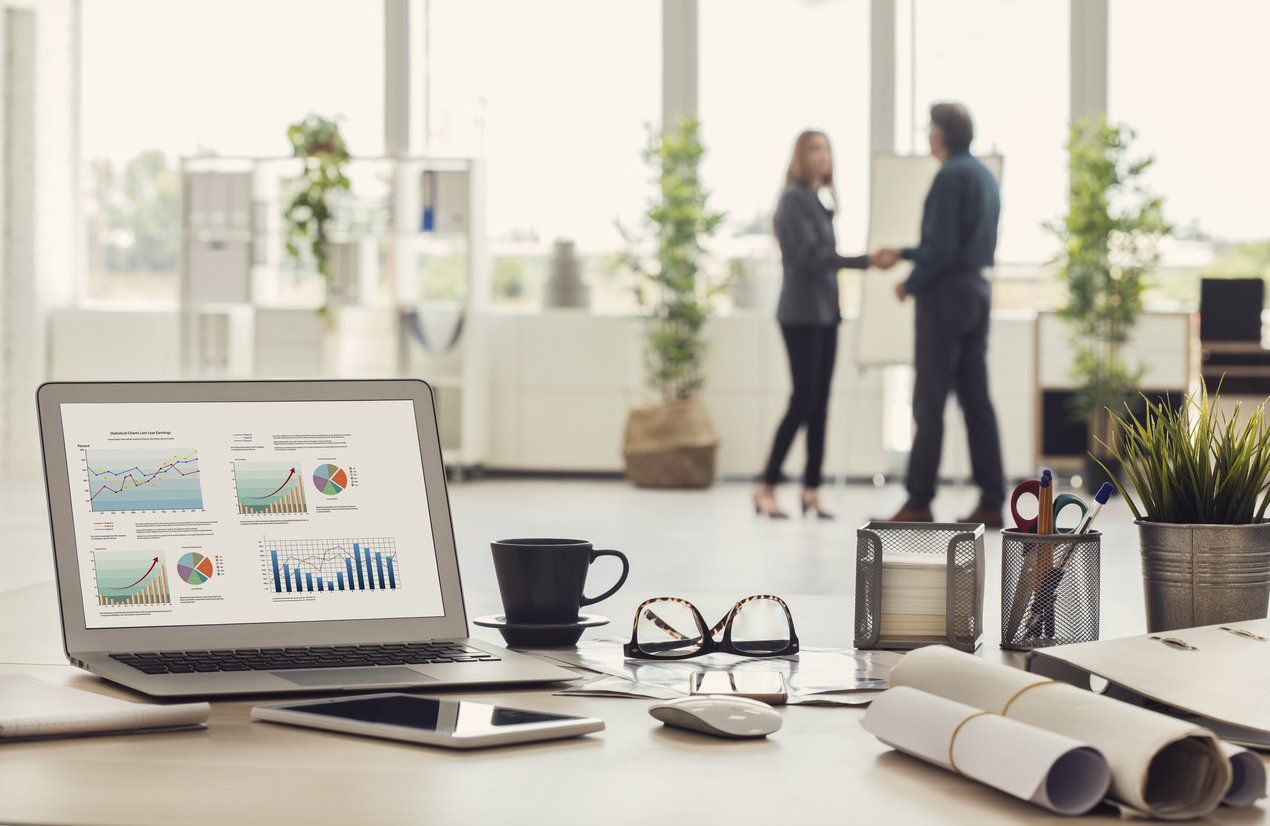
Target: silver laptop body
<point>156,488</point>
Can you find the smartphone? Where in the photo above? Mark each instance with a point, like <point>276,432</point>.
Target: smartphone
<point>768,686</point>
<point>454,724</point>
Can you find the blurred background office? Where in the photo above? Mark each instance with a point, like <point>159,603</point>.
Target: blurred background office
<point>155,221</point>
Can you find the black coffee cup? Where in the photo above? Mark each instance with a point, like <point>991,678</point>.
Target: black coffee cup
<point>541,580</point>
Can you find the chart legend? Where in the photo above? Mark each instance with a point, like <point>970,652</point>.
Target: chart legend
<point>132,578</point>
<point>293,566</point>
<point>269,487</point>
<point>143,480</point>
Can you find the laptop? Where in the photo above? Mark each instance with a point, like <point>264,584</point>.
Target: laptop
<point>265,536</point>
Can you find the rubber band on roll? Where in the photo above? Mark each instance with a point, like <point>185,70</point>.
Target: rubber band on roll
<point>1005,711</point>
<point>952,741</point>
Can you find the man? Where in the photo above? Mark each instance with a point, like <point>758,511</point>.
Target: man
<point>958,240</point>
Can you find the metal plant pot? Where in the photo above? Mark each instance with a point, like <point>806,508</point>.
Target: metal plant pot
<point>1204,574</point>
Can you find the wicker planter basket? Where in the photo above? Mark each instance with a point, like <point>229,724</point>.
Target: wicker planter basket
<point>670,446</point>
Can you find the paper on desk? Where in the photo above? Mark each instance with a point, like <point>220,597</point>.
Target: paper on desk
<point>1050,770</point>
<point>30,707</point>
<point>607,686</point>
<point>1247,777</point>
<point>1160,766</point>
<point>814,676</point>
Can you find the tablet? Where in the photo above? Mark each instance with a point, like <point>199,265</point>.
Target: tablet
<point>455,724</point>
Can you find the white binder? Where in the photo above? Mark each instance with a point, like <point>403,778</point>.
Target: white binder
<point>1214,675</point>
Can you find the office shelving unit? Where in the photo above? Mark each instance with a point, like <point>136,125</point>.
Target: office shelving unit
<point>407,293</point>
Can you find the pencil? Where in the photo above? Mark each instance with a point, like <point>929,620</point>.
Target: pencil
<point>1044,526</point>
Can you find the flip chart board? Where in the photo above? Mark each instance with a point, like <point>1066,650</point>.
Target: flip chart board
<point>897,190</point>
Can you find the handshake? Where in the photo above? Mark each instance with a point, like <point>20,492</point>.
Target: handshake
<point>884,258</point>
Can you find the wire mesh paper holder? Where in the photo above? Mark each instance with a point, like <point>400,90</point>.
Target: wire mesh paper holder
<point>1049,589</point>
<point>958,545</point>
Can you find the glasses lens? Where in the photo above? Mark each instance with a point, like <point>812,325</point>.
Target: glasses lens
<point>668,629</point>
<point>761,627</point>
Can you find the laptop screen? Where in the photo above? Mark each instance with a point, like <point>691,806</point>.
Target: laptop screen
<point>213,513</point>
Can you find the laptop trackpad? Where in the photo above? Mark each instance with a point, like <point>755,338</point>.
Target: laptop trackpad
<point>353,676</point>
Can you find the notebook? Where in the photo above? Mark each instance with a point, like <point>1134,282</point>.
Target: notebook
<point>30,708</point>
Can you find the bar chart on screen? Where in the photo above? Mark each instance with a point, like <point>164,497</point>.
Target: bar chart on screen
<point>142,480</point>
<point>305,566</point>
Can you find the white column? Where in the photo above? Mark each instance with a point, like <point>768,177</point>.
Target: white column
<point>24,326</point>
<point>5,246</point>
<point>397,78</point>
<point>881,76</point>
<point>1089,35</point>
<point>678,60</point>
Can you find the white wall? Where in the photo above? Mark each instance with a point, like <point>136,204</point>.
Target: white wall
<point>560,383</point>
<point>40,182</point>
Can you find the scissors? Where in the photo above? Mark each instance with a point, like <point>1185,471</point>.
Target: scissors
<point>1032,487</point>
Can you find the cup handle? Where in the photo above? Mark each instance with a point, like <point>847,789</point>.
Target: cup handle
<point>621,580</point>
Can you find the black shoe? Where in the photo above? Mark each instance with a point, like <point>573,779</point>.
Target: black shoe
<point>820,513</point>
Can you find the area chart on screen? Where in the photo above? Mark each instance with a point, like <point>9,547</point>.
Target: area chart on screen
<point>143,480</point>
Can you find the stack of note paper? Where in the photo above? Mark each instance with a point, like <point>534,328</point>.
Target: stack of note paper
<point>34,708</point>
<point>914,597</point>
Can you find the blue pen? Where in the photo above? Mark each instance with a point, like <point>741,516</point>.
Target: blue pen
<point>1100,499</point>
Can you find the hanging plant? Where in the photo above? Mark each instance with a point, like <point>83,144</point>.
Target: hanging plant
<point>317,142</point>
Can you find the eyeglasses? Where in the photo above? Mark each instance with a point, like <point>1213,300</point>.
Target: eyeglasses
<point>668,628</point>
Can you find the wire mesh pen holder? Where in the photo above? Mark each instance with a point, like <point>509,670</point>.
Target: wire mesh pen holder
<point>1049,589</point>
<point>919,584</point>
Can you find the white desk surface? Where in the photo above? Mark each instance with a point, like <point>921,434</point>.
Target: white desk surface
<point>821,767</point>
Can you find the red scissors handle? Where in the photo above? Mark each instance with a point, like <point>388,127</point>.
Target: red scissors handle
<point>1030,486</point>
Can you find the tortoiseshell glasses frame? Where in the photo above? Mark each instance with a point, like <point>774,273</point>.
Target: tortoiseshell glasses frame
<point>704,641</point>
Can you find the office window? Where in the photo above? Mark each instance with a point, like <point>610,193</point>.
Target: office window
<point>161,80</point>
<point>555,97</point>
<point>1008,61</point>
<point>1191,79</point>
<point>768,70</point>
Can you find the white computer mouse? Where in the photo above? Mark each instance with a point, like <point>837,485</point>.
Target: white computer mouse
<point>720,716</point>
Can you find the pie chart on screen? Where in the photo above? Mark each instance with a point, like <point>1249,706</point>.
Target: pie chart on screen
<point>194,568</point>
<point>330,479</point>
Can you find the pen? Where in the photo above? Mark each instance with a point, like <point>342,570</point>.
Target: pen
<point>1042,610</point>
<point>1100,499</point>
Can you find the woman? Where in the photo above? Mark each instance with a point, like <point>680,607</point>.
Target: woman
<point>807,312</point>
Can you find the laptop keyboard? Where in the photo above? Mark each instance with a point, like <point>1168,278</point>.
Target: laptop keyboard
<point>280,659</point>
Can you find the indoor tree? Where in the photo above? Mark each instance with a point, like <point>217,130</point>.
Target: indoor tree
<point>1109,240</point>
<point>673,444</point>
<point>671,287</point>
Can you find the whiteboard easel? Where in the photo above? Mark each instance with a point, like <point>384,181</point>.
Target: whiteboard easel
<point>885,328</point>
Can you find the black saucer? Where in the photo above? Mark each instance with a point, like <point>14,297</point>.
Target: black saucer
<point>541,635</point>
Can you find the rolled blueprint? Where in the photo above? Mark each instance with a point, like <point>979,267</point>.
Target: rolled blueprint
<point>1039,766</point>
<point>1160,766</point>
<point>1247,777</point>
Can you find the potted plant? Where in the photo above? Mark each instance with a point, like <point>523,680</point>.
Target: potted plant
<point>1109,241</point>
<point>317,142</point>
<point>1200,488</point>
<point>672,444</point>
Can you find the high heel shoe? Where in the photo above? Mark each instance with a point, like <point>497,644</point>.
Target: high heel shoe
<point>814,505</point>
<point>774,512</point>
